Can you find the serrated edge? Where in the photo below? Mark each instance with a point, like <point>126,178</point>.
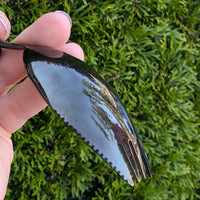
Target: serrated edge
<point>91,146</point>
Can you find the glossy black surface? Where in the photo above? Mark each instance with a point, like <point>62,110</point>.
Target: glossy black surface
<point>85,103</point>
<point>8,45</point>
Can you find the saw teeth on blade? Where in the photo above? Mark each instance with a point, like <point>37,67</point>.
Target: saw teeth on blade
<point>92,146</point>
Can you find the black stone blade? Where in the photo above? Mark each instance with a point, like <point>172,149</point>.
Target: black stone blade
<point>88,106</point>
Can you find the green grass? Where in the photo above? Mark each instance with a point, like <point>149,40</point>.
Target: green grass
<point>148,50</point>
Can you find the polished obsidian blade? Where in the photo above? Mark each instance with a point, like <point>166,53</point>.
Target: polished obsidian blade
<point>87,105</point>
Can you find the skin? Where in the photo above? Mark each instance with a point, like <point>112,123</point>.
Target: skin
<point>24,101</point>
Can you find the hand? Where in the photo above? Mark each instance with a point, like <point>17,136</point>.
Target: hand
<point>24,101</point>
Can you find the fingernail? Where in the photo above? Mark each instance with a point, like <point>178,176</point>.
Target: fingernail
<point>3,22</point>
<point>64,13</point>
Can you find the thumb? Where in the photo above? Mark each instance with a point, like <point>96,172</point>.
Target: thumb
<point>4,26</point>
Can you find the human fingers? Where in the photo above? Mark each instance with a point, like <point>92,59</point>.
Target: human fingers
<point>4,26</point>
<point>11,71</point>
<point>73,49</point>
<point>51,30</point>
<point>24,101</point>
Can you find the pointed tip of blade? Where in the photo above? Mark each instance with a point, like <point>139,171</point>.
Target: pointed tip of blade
<point>130,182</point>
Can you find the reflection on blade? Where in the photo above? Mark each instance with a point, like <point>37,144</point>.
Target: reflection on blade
<point>83,101</point>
